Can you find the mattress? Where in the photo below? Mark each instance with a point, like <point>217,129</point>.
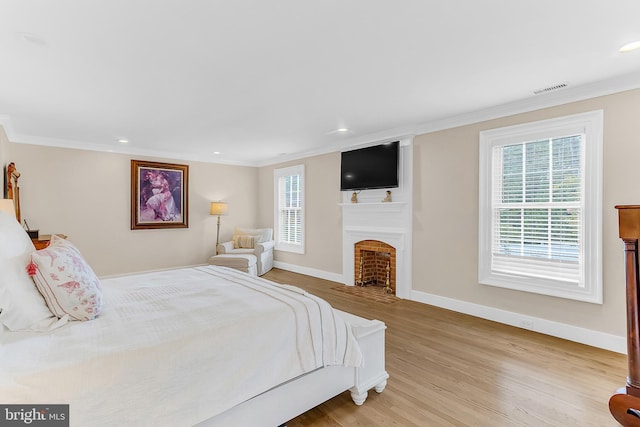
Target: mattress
<point>175,348</point>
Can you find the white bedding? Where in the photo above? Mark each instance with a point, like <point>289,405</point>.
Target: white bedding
<point>175,348</point>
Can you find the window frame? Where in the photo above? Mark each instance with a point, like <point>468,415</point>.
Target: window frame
<point>278,174</point>
<point>590,125</point>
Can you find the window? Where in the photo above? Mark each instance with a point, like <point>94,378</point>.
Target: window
<point>540,207</point>
<point>289,209</point>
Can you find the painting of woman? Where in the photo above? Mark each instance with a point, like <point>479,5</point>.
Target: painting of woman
<point>159,197</point>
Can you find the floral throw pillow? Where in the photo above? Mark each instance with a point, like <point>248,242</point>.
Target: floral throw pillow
<point>67,283</point>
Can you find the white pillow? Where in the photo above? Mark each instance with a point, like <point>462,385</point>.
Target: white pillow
<point>23,308</point>
<point>67,282</point>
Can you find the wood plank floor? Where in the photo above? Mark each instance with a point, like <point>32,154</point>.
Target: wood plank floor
<point>451,369</point>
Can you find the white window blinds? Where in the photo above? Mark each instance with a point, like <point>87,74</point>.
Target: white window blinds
<point>289,208</point>
<point>540,207</point>
<point>537,208</point>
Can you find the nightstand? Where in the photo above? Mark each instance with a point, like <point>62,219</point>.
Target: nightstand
<point>42,241</point>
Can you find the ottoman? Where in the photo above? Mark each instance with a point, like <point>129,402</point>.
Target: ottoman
<point>242,262</point>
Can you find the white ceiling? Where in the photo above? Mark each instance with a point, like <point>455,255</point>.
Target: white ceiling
<point>263,81</point>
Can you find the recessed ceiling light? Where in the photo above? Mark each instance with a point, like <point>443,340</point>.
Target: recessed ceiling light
<point>216,152</point>
<point>340,131</point>
<point>32,39</point>
<point>123,141</point>
<point>630,46</point>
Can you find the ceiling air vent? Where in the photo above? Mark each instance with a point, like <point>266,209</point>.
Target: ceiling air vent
<point>550,88</point>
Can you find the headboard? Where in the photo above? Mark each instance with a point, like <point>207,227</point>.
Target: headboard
<point>13,191</point>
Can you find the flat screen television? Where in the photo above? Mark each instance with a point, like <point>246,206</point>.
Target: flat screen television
<point>370,167</point>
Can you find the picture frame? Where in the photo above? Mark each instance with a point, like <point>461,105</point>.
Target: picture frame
<point>159,195</point>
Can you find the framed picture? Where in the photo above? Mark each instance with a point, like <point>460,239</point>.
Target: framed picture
<point>159,195</point>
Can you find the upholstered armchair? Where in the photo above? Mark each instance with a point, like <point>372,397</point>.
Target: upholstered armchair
<point>255,241</point>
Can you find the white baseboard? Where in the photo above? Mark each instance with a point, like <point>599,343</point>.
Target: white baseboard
<point>590,337</point>
<point>561,330</point>
<point>320,274</point>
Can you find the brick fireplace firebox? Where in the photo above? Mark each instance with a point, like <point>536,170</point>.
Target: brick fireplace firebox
<point>374,263</point>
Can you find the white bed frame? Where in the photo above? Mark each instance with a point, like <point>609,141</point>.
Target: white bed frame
<point>286,401</point>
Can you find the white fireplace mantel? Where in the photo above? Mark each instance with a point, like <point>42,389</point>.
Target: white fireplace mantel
<point>375,207</point>
<point>388,230</point>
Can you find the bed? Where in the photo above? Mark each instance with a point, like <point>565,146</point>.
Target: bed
<point>207,346</point>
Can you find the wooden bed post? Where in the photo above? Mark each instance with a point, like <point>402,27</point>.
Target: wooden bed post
<point>633,347</point>
<point>625,404</point>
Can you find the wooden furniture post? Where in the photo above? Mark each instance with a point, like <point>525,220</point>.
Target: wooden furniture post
<point>633,337</point>
<point>629,227</point>
<point>625,404</point>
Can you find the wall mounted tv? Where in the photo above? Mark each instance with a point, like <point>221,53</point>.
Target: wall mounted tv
<point>370,167</point>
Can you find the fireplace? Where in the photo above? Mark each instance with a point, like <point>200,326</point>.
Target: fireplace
<point>375,265</point>
<point>387,223</point>
<point>384,224</point>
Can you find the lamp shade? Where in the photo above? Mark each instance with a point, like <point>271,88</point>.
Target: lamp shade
<point>218,208</point>
<point>6,205</point>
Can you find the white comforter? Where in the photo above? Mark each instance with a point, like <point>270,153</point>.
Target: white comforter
<point>175,348</point>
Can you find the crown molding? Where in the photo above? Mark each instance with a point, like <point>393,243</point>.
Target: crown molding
<point>404,133</point>
<point>567,95</point>
<point>5,122</point>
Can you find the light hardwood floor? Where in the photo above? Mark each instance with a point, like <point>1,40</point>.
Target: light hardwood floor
<point>451,369</point>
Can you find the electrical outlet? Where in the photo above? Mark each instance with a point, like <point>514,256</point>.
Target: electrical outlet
<point>526,323</point>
